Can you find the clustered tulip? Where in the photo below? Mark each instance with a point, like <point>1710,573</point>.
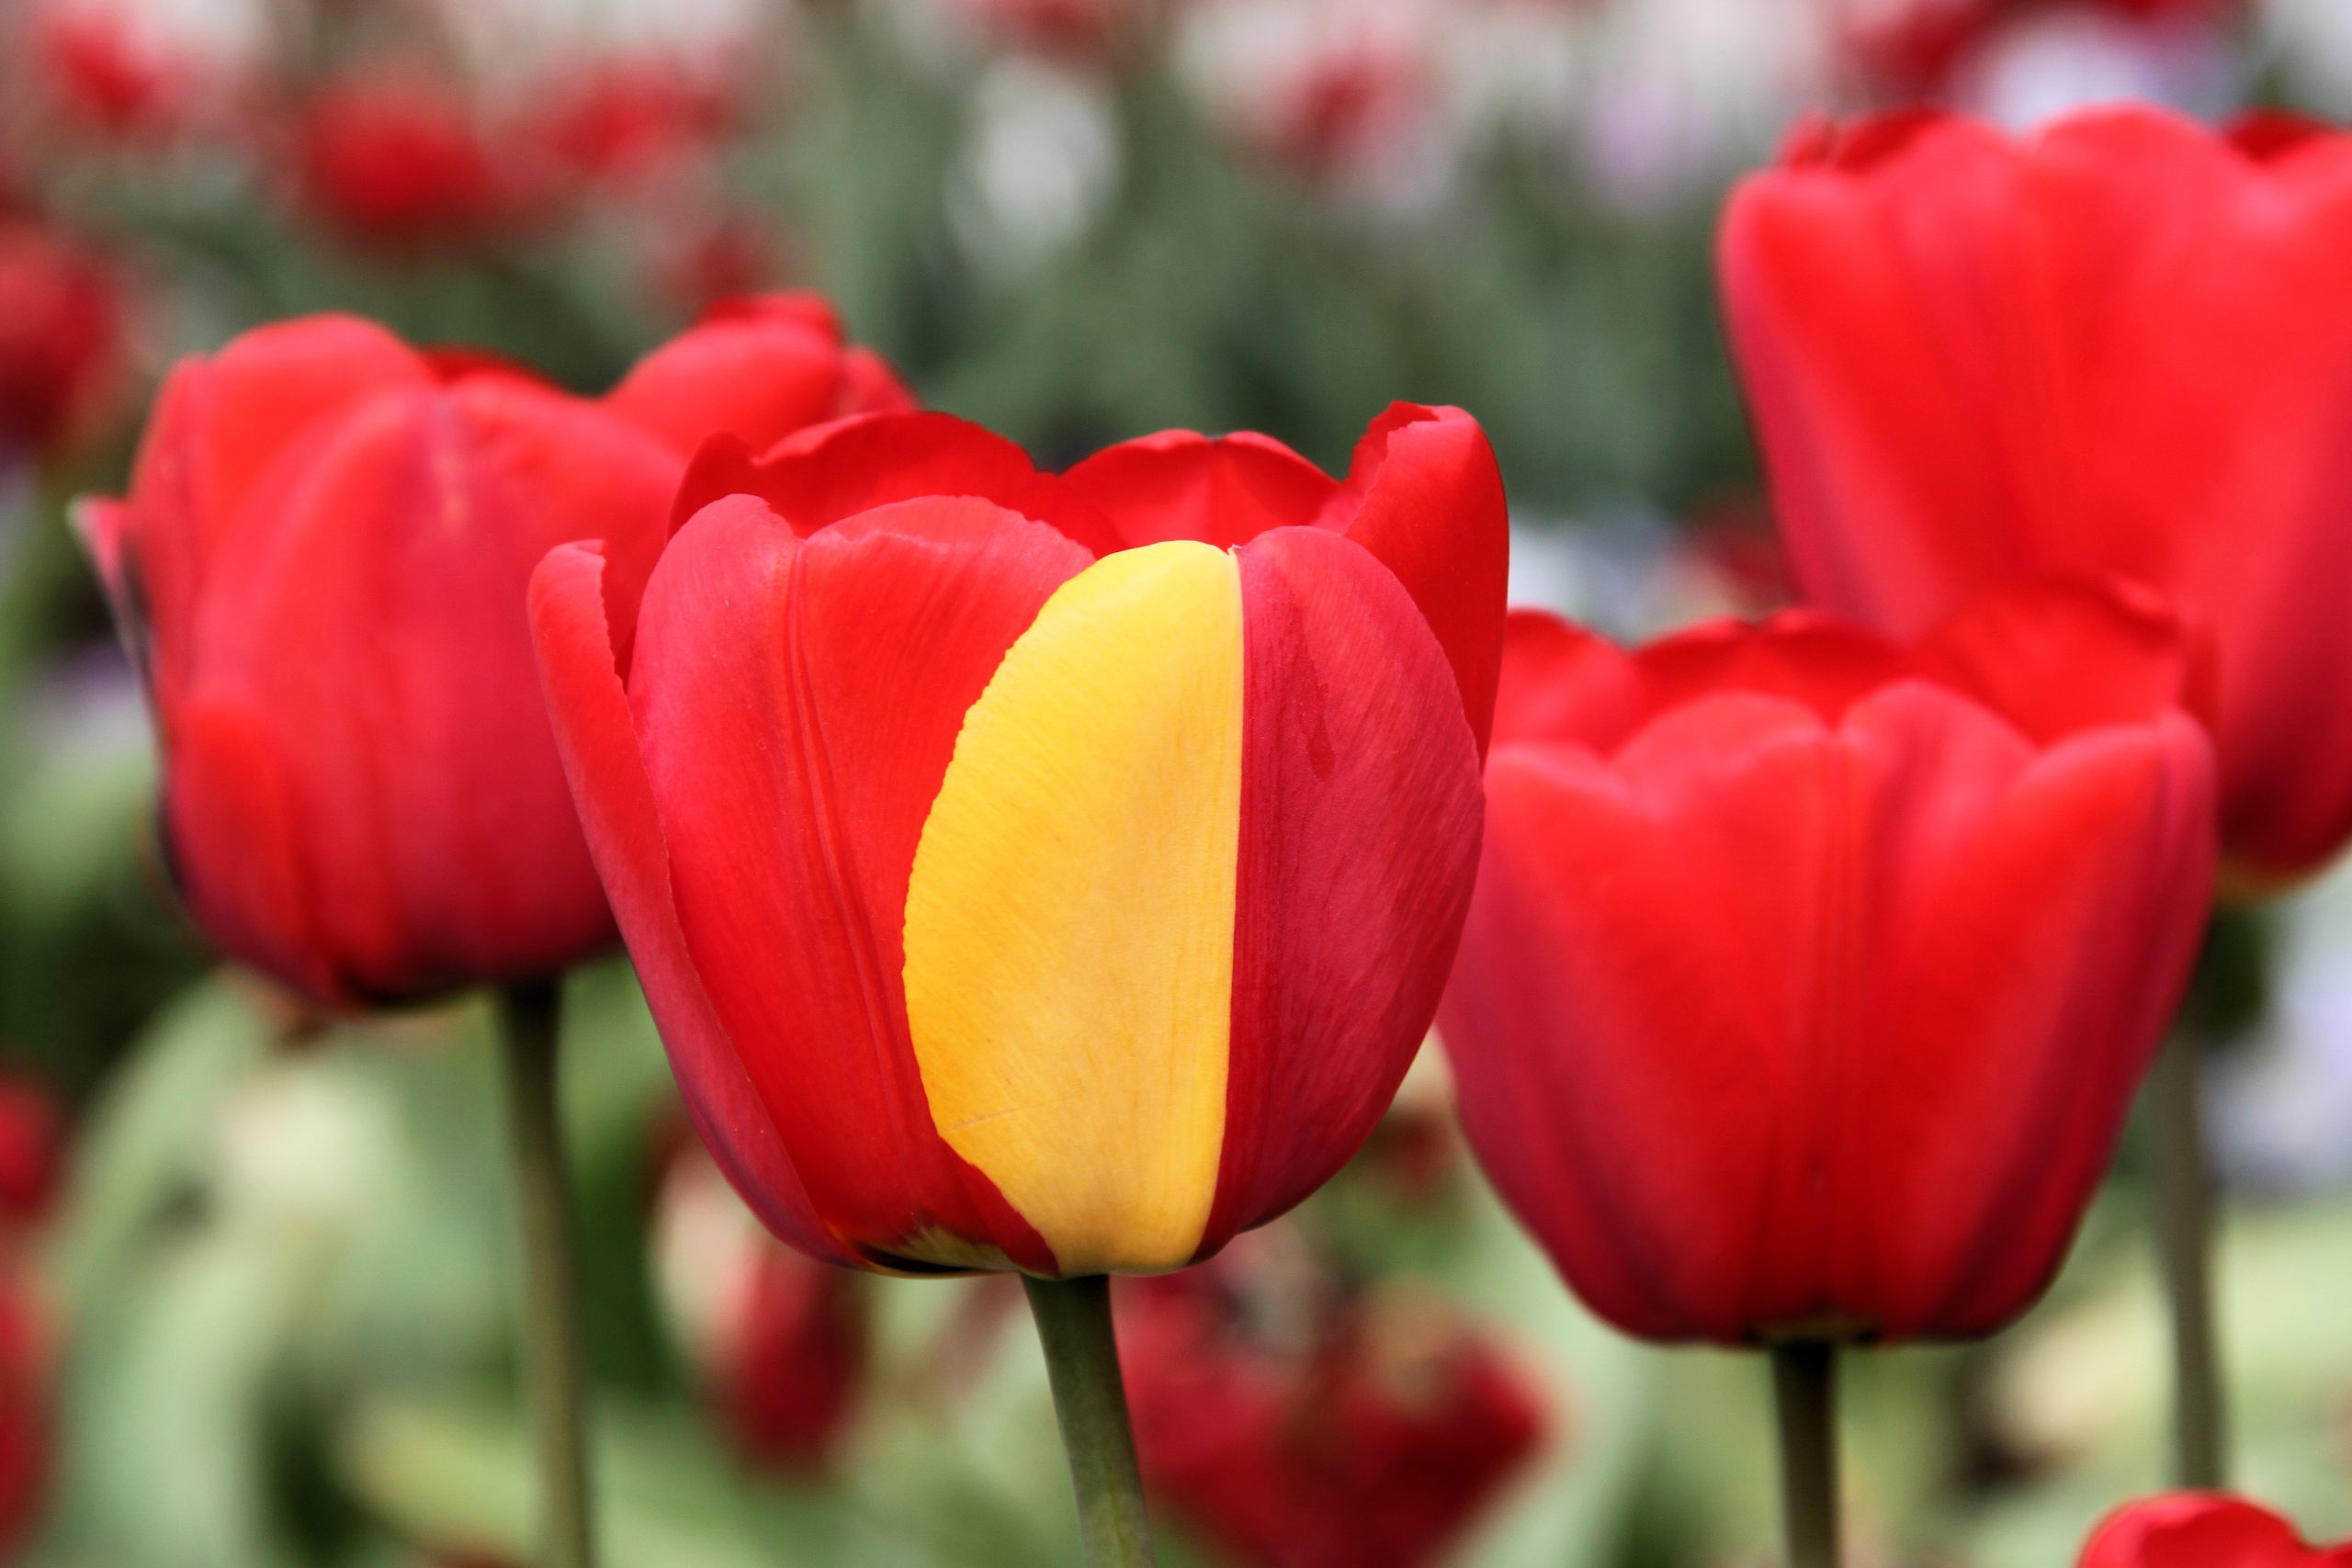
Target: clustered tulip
<point>321,570</point>
<point>2204,1530</point>
<point>2120,345</point>
<point>1809,976</point>
<point>1046,871</point>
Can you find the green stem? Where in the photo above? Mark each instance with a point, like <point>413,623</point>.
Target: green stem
<point>527,1018</point>
<point>1804,1390</point>
<point>2185,1236</point>
<point>1083,1361</point>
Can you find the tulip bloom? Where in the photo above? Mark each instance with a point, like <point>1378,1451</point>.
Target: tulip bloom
<point>2120,345</point>
<point>1053,872</point>
<point>1375,1439</point>
<point>2196,1529</point>
<point>1809,977</point>
<point>321,570</point>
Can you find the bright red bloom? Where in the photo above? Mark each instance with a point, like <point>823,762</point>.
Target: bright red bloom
<point>1809,977</point>
<point>2193,1529</point>
<point>398,159</point>
<point>2121,344</point>
<point>1352,1432</point>
<point>1052,871</point>
<point>321,569</point>
<point>60,337</point>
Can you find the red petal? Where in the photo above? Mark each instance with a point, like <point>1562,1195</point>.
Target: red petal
<point>1223,491</point>
<point>2057,656</point>
<point>837,471</point>
<point>1360,813</point>
<point>2193,1529</point>
<point>598,742</point>
<point>755,373</point>
<point>797,702</point>
<point>1425,498</point>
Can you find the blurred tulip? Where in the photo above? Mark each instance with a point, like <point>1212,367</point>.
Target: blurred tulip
<point>143,68</point>
<point>321,569</point>
<point>1033,909</point>
<point>26,1439</point>
<point>1371,1439</point>
<point>2194,1529</point>
<point>61,338</point>
<point>398,159</point>
<point>31,1151</point>
<point>2121,344</point>
<point>779,1341</point>
<point>1808,977</point>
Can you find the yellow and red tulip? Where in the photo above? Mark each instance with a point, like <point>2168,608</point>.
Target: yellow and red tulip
<point>1054,872</point>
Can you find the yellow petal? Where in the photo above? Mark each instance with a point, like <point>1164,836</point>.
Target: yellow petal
<point>1070,920</point>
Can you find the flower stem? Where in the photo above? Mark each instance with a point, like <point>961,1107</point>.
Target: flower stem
<point>2185,1236</point>
<point>1804,1390</point>
<point>550,1320</point>
<point>1082,1362</point>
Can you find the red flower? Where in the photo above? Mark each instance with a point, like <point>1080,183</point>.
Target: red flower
<point>2202,1530</point>
<point>2121,344</point>
<point>320,566</point>
<point>1055,871</point>
<point>61,338</point>
<point>398,159</point>
<point>1362,1432</point>
<point>1808,978</point>
<point>27,1439</point>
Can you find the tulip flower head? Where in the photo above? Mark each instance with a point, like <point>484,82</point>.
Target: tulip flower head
<point>2119,344</point>
<point>2194,1529</point>
<point>1809,977</point>
<point>321,570</point>
<point>1042,871</point>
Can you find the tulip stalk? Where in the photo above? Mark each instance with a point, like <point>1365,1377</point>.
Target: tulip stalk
<point>2185,1238</point>
<point>1804,1390</point>
<point>550,1321</point>
<point>1090,1400</point>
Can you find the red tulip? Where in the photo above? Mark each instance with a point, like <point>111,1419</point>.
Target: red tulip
<point>2121,344</point>
<point>1052,871</point>
<point>320,568</point>
<point>2202,1530</point>
<point>26,1439</point>
<point>1360,1432</point>
<point>779,1339</point>
<point>61,338</point>
<point>1809,977</point>
<point>396,160</point>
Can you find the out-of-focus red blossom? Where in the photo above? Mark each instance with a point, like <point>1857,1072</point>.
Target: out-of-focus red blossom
<point>779,1341</point>
<point>716,260</point>
<point>2121,344</point>
<point>625,121</point>
<point>103,66</point>
<point>26,1407</point>
<point>31,1148</point>
<point>321,569</point>
<point>1074,31</point>
<point>1371,1434</point>
<point>62,337</point>
<point>2194,1529</point>
<point>396,160</point>
<point>1343,108</point>
<point>799,1360</point>
<point>1809,977</point>
<point>1908,47</point>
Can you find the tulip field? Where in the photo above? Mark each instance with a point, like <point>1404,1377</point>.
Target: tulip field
<point>1224,783</point>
